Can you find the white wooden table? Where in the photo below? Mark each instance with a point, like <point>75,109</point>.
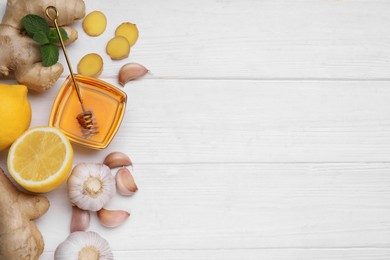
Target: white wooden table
<point>262,131</point>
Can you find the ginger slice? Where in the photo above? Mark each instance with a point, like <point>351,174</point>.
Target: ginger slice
<point>90,65</point>
<point>129,31</point>
<point>118,48</point>
<point>95,23</point>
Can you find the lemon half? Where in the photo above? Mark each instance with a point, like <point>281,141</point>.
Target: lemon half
<point>40,159</point>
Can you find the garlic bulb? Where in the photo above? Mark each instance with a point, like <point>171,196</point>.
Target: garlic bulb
<point>91,186</point>
<point>84,246</point>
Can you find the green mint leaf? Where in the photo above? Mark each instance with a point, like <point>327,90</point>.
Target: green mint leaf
<point>41,38</point>
<point>53,36</point>
<point>33,23</point>
<point>49,54</point>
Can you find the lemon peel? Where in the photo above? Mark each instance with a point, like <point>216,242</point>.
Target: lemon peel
<point>15,113</point>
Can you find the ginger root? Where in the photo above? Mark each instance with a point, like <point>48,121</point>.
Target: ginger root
<point>20,238</point>
<point>95,23</point>
<point>20,56</point>
<point>129,31</point>
<point>90,65</point>
<point>118,48</point>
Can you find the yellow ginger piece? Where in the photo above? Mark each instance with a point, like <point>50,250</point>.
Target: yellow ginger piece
<point>129,31</point>
<point>118,48</point>
<point>95,23</point>
<point>90,65</point>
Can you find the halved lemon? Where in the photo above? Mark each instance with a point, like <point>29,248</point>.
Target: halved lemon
<point>40,159</point>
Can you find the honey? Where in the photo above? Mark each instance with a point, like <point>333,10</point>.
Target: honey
<point>106,102</point>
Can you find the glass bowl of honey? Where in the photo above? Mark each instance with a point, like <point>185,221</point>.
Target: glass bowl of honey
<point>107,103</point>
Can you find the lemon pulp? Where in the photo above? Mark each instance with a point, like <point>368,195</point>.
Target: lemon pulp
<point>41,159</point>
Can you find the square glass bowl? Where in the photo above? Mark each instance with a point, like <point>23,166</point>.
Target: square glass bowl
<point>107,103</point>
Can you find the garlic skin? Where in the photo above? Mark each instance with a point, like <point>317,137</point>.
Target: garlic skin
<point>91,186</point>
<point>112,218</point>
<point>84,246</point>
<point>80,219</point>
<point>125,184</point>
<point>131,71</point>
<point>117,159</point>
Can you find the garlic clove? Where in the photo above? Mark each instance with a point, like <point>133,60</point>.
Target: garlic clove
<point>117,159</point>
<point>131,71</point>
<point>80,219</point>
<point>125,184</point>
<point>112,218</point>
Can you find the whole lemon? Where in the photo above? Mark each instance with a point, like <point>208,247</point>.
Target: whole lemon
<point>15,113</point>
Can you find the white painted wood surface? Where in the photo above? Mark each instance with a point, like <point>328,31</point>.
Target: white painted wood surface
<point>262,131</point>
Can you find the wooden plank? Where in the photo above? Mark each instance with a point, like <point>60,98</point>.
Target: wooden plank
<point>347,13</point>
<point>244,206</point>
<point>250,39</point>
<point>225,167</point>
<point>175,121</point>
<point>254,254</point>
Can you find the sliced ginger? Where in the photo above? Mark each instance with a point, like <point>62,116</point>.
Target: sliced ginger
<point>129,31</point>
<point>118,48</point>
<point>90,65</point>
<point>95,23</point>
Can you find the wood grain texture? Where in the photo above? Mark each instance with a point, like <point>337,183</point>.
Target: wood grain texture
<point>261,132</point>
<point>192,121</point>
<point>254,254</point>
<point>251,39</point>
<point>244,206</point>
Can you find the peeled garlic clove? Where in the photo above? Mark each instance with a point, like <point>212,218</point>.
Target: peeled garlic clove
<point>125,184</point>
<point>117,159</point>
<point>84,245</point>
<point>112,218</point>
<point>80,219</point>
<point>131,71</point>
<point>91,186</point>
